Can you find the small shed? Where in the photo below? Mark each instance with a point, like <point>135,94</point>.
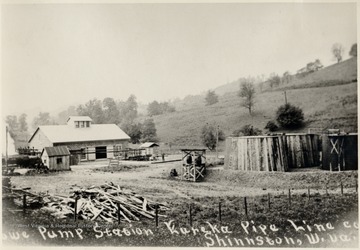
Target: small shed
<point>150,147</point>
<point>56,158</point>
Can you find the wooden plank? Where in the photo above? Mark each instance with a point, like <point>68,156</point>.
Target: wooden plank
<point>266,156</point>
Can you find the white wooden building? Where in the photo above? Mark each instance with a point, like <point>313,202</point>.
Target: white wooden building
<point>88,141</point>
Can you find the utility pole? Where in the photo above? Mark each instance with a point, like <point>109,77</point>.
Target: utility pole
<point>217,140</point>
<point>285,97</point>
<point>6,156</point>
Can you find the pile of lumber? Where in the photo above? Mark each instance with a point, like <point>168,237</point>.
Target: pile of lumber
<point>107,202</point>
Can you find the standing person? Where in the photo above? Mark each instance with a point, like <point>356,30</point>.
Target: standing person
<point>163,156</point>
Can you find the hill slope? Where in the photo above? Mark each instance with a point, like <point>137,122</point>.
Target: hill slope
<point>326,107</point>
<point>339,73</point>
<point>328,98</point>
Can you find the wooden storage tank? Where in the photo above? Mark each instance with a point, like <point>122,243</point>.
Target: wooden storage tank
<point>302,150</point>
<point>255,153</point>
<point>340,152</point>
<point>272,153</point>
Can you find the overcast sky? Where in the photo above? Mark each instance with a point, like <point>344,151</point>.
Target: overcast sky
<point>60,54</point>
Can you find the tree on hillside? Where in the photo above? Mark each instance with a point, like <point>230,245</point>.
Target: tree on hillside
<point>209,136</point>
<point>247,130</point>
<point>22,123</point>
<point>149,131</point>
<point>286,77</point>
<point>211,98</point>
<point>247,93</point>
<point>274,80</point>
<point>353,50</point>
<point>12,122</point>
<point>93,109</point>
<point>63,116</point>
<point>338,50</point>
<point>156,108</point>
<point>111,112</point>
<point>167,107</point>
<point>134,130</point>
<point>271,126</point>
<point>289,116</point>
<point>128,109</point>
<point>43,118</point>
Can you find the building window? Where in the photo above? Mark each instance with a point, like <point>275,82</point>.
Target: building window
<point>44,161</point>
<point>87,124</point>
<point>76,124</point>
<point>83,154</point>
<point>58,160</point>
<point>117,150</point>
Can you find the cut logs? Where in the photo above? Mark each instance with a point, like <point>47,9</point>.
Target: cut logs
<point>102,203</point>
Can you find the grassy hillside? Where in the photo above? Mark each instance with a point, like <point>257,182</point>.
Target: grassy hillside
<point>324,107</point>
<point>339,73</point>
<point>328,98</point>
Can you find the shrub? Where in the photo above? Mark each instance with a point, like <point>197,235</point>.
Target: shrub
<point>289,116</point>
<point>271,126</point>
<point>209,136</point>
<point>28,162</point>
<point>247,130</point>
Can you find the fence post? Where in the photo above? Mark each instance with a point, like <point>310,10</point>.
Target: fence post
<point>75,208</point>
<point>289,197</point>
<point>190,215</point>
<point>269,200</point>
<point>220,211</point>
<point>341,188</point>
<point>245,207</point>
<point>118,212</point>
<point>157,215</point>
<point>24,202</point>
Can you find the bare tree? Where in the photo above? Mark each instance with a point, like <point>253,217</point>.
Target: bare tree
<point>286,77</point>
<point>338,51</point>
<point>247,92</point>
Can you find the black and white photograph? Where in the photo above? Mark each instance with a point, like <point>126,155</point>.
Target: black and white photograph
<point>179,124</point>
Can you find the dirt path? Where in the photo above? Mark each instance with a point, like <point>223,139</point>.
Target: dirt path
<point>150,181</point>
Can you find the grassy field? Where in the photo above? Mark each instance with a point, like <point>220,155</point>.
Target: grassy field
<point>328,98</point>
<point>324,107</point>
<point>218,216</point>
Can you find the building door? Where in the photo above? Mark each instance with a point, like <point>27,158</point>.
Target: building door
<point>100,152</point>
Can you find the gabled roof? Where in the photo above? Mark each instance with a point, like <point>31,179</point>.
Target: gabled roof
<point>149,145</point>
<point>79,118</point>
<point>96,132</point>
<point>56,151</point>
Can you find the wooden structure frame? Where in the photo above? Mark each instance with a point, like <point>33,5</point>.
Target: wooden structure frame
<point>337,145</point>
<point>340,152</point>
<point>193,164</point>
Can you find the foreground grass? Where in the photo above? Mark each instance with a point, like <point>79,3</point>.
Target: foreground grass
<point>327,220</point>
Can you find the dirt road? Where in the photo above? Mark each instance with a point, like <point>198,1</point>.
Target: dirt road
<point>150,181</point>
